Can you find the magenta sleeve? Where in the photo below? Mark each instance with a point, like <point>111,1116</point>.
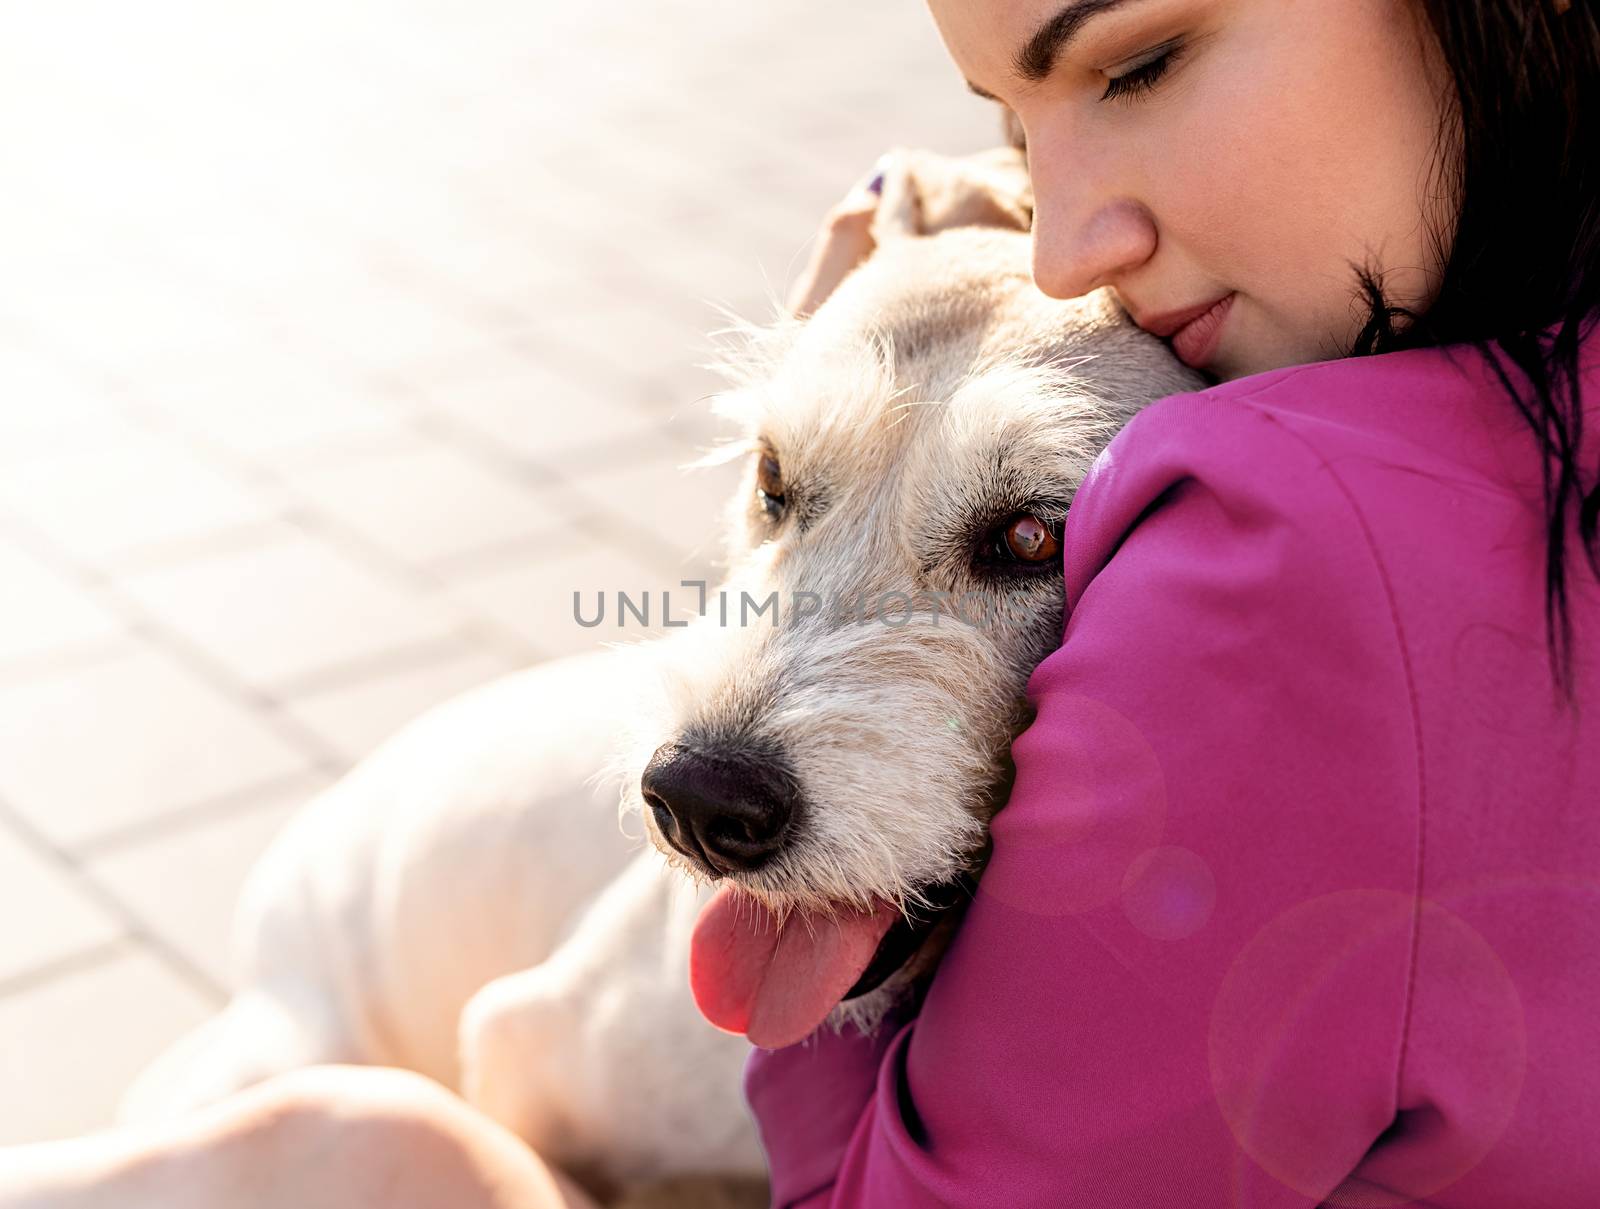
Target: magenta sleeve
<point>1185,977</point>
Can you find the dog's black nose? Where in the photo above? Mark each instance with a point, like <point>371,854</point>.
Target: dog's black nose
<point>728,812</point>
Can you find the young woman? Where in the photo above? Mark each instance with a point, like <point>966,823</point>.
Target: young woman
<point>1296,900</point>
<point>1297,897</point>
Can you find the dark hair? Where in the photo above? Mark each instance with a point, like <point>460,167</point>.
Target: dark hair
<point>1520,152</point>
<point>1520,280</point>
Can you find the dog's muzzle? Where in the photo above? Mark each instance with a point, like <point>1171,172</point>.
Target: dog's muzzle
<point>727,812</point>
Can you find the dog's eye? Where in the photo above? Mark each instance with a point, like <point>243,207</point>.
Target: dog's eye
<point>1030,540</point>
<point>769,484</point>
<point>1025,541</point>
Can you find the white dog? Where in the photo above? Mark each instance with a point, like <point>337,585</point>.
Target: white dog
<point>465,904</point>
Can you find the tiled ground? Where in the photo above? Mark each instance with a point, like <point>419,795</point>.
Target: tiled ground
<point>339,342</point>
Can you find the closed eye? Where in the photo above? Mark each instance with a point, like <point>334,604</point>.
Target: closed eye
<point>1144,77</point>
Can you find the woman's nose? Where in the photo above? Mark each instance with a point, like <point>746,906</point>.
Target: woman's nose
<point>1085,234</point>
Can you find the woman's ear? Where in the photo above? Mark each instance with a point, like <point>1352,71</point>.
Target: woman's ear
<point>924,192</point>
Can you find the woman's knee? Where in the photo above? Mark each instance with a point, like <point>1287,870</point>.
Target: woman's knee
<point>363,1135</point>
<point>396,1138</point>
<point>370,1095</point>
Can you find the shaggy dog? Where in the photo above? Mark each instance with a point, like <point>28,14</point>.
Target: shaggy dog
<point>463,905</point>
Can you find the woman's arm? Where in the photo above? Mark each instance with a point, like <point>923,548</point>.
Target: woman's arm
<point>1184,979</point>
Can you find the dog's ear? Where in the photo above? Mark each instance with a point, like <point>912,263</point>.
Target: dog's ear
<point>924,192</point>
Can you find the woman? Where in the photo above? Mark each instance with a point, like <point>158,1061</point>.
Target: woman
<point>1296,900</point>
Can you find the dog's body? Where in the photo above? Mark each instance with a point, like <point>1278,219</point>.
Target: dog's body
<point>465,903</point>
<point>478,844</point>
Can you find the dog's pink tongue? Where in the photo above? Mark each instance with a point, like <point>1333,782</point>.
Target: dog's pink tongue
<point>775,986</point>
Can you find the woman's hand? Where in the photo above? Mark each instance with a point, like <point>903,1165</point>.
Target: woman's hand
<point>913,193</point>
<point>844,241</point>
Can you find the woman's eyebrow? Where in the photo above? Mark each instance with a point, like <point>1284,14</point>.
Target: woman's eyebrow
<point>1037,56</point>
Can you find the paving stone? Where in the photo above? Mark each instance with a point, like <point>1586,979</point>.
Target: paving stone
<point>47,916</point>
<point>120,742</point>
<point>429,502</point>
<point>69,1048</point>
<point>43,615</point>
<point>530,410</point>
<point>269,409</point>
<point>678,513</point>
<point>353,719</point>
<point>44,409</point>
<point>534,598</point>
<point>184,885</point>
<point>290,609</point>
<point>106,505</point>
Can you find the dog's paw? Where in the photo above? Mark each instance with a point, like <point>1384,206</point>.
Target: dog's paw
<point>506,1036</point>
<point>490,1037</point>
<point>925,192</point>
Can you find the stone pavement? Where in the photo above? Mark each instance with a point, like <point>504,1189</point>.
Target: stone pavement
<point>340,342</point>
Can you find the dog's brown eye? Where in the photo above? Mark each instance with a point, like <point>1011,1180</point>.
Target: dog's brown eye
<point>769,483</point>
<point>1028,539</point>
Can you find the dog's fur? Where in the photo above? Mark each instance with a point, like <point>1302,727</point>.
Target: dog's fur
<point>463,904</point>
<point>936,395</point>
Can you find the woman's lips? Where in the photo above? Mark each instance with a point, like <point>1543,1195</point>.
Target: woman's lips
<point>1196,341</point>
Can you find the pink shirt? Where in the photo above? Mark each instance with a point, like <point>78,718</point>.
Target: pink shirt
<point>1297,897</point>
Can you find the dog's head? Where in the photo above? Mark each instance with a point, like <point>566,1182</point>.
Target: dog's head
<point>835,730</point>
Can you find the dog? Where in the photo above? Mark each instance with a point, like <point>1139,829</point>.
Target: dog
<point>808,793</point>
